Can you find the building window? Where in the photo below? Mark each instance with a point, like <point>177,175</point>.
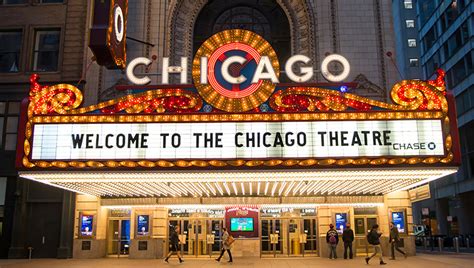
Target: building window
<point>413,62</point>
<point>430,38</point>
<point>466,133</point>
<point>9,113</point>
<point>457,40</point>
<point>462,69</point>
<point>10,44</point>
<point>426,9</point>
<point>410,23</point>
<point>452,13</point>
<point>408,4</point>
<point>46,50</point>
<point>243,18</point>
<point>465,101</point>
<point>12,2</point>
<point>432,64</point>
<point>50,1</point>
<point>411,42</point>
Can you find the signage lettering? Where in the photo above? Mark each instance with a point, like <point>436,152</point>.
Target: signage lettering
<point>264,70</point>
<point>230,140</point>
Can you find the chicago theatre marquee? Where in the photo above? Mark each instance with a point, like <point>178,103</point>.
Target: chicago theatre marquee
<point>274,162</point>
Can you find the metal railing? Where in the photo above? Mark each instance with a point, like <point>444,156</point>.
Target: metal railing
<point>444,243</point>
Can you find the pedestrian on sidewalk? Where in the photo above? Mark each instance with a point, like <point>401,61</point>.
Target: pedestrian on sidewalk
<point>228,240</point>
<point>394,240</point>
<point>174,244</point>
<point>348,238</point>
<point>374,239</point>
<point>332,238</point>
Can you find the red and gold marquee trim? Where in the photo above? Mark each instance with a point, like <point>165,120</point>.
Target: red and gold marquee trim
<point>412,100</point>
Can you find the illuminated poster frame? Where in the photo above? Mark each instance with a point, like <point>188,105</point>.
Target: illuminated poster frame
<point>399,218</point>
<point>340,221</point>
<point>86,225</point>
<point>143,225</point>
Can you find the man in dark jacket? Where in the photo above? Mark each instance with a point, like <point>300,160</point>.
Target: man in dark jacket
<point>394,239</point>
<point>374,239</point>
<point>174,244</point>
<point>332,238</point>
<point>348,238</point>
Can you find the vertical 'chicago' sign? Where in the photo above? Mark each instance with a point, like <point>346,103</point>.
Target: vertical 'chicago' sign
<point>108,33</point>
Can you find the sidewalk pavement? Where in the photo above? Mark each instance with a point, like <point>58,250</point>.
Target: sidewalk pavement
<point>422,260</point>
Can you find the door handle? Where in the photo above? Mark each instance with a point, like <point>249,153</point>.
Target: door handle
<point>43,240</point>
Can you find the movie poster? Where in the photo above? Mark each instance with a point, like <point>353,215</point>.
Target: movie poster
<point>341,220</point>
<point>87,222</point>
<point>398,218</point>
<point>143,224</point>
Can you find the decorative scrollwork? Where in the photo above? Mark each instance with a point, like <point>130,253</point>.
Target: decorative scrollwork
<point>59,98</point>
<point>159,101</point>
<point>407,95</point>
<point>421,95</point>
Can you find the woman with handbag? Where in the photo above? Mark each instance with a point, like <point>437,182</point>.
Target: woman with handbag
<point>226,245</point>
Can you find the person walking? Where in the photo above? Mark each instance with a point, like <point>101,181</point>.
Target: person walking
<point>174,244</point>
<point>348,238</point>
<point>332,238</point>
<point>394,240</point>
<point>374,239</point>
<point>226,245</point>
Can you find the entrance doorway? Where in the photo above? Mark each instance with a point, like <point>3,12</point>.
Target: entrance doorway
<point>310,229</point>
<point>271,228</point>
<point>194,234</point>
<point>363,224</point>
<point>118,237</point>
<point>288,237</point>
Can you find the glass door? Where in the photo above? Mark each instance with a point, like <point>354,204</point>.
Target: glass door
<point>363,224</point>
<point>215,228</point>
<point>194,235</point>
<point>118,237</point>
<point>197,232</point>
<point>271,240</point>
<point>310,230</point>
<point>183,235</point>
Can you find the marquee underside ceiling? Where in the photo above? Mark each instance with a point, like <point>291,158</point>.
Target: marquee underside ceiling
<point>244,184</point>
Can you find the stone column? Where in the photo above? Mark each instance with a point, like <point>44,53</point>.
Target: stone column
<point>397,201</point>
<point>67,225</point>
<point>17,248</point>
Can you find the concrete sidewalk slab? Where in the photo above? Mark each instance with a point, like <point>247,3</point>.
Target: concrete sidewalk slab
<point>424,261</point>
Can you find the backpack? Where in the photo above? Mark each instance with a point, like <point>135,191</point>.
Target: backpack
<point>370,238</point>
<point>332,239</point>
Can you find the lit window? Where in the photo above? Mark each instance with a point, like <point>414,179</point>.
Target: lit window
<point>410,23</point>
<point>46,52</point>
<point>10,44</point>
<point>408,4</point>
<point>413,62</point>
<point>412,42</point>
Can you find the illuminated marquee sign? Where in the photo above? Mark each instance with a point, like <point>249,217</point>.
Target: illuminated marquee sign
<point>233,140</point>
<point>236,116</point>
